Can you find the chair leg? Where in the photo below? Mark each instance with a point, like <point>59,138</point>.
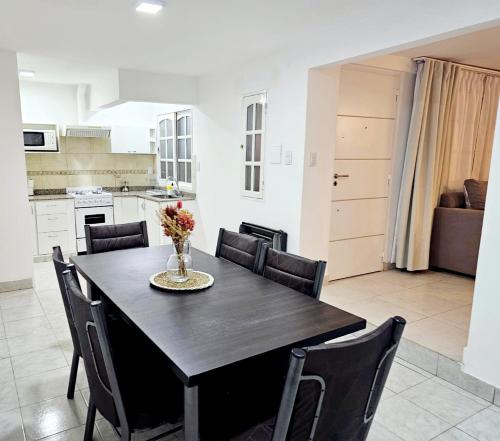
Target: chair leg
<point>89,424</point>
<point>72,375</point>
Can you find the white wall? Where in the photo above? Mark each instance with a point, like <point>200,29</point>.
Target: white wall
<point>218,135</point>
<point>15,228</point>
<point>162,88</point>
<point>353,36</point>
<point>481,356</point>
<point>47,103</point>
<point>322,97</point>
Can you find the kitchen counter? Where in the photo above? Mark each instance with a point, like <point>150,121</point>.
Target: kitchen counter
<point>139,194</point>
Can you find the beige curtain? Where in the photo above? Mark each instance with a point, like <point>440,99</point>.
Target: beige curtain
<point>449,140</point>
<point>425,155</point>
<point>486,130</point>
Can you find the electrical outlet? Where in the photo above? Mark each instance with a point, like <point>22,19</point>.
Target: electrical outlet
<point>288,157</point>
<point>313,159</point>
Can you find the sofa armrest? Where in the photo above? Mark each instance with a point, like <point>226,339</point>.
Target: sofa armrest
<point>456,235</point>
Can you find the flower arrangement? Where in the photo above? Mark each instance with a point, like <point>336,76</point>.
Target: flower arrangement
<point>178,224</point>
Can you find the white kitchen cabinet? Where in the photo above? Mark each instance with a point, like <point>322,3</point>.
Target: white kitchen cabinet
<point>125,209</point>
<point>33,228</point>
<point>130,139</point>
<point>55,225</point>
<point>148,211</point>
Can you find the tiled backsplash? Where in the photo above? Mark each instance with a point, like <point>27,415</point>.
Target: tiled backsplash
<point>88,161</point>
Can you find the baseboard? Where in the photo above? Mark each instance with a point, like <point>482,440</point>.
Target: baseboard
<point>16,285</point>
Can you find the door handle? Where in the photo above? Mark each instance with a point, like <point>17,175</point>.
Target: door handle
<point>336,176</point>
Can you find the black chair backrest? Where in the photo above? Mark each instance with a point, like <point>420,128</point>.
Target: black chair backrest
<point>239,248</point>
<point>332,391</point>
<point>296,272</point>
<point>276,239</point>
<point>102,238</point>
<point>60,266</point>
<point>90,321</point>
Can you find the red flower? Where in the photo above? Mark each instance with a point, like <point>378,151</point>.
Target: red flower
<point>185,220</point>
<point>179,204</point>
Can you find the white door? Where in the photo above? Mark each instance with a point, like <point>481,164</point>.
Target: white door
<point>363,149</point>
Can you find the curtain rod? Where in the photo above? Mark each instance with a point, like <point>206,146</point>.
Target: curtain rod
<point>484,70</point>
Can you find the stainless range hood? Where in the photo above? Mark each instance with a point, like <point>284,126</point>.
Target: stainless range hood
<point>88,131</point>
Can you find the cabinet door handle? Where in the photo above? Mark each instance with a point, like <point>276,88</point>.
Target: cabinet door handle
<point>336,176</point>
<point>52,218</point>
<point>52,235</point>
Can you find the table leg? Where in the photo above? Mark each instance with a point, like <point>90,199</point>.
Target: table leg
<point>191,426</point>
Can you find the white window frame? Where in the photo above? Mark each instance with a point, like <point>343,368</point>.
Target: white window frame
<point>174,117</point>
<point>248,100</point>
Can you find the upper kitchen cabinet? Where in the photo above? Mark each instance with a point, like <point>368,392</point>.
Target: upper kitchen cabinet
<point>126,139</point>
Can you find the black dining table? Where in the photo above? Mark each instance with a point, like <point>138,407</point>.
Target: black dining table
<point>242,316</point>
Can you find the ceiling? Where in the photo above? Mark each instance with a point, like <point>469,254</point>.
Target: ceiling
<point>481,48</point>
<point>191,37</point>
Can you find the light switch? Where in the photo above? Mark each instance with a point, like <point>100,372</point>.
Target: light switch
<point>313,159</point>
<point>288,157</point>
<point>275,155</point>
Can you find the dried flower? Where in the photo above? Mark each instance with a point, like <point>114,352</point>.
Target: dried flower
<point>176,223</point>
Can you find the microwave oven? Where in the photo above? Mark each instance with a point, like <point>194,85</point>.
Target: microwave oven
<point>40,140</point>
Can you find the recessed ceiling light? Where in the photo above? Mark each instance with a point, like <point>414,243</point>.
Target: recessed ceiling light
<point>150,6</point>
<point>26,73</point>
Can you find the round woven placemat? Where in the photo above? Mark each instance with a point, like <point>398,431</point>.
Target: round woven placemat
<point>197,280</point>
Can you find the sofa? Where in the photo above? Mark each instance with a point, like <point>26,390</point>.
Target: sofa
<point>456,234</point>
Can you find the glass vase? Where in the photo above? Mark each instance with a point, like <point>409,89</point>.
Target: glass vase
<point>180,263</point>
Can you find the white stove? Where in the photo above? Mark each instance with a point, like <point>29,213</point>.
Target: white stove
<point>90,197</point>
<point>92,207</point>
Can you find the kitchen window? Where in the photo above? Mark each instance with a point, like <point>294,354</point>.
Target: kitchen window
<point>175,148</point>
<point>252,147</point>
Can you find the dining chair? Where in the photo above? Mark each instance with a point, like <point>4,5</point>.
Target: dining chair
<point>296,272</point>
<point>130,381</point>
<point>102,238</point>
<point>241,249</point>
<point>332,391</point>
<point>60,266</point>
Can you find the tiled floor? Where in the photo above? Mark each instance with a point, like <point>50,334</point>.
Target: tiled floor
<point>436,305</point>
<point>35,352</point>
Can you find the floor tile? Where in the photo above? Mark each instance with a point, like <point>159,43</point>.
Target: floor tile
<point>6,372</point>
<point>377,311</point>
<point>22,312</point>
<point>449,405</point>
<point>484,426</point>
<point>409,421</point>
<point>40,387</point>
<point>461,295</point>
<point>73,435</point>
<point>438,336</point>
<point>338,294</point>
<point>4,349</point>
<point>401,378</point>
<point>24,298</point>
<point>423,303</point>
<point>459,317</point>
<point>33,325</point>
<point>2,330</point>
<point>53,416</point>
<point>451,371</point>
<point>413,367</point>
<point>31,342</point>
<point>454,434</point>
<point>418,355</point>
<point>8,396</point>
<point>11,426</point>
<point>38,362</point>
<point>380,433</point>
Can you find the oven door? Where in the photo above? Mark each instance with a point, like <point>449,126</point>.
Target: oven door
<point>92,216</point>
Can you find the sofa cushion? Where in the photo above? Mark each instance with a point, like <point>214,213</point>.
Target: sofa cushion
<point>454,199</point>
<point>475,193</point>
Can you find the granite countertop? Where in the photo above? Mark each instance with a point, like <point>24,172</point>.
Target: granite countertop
<point>139,194</point>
